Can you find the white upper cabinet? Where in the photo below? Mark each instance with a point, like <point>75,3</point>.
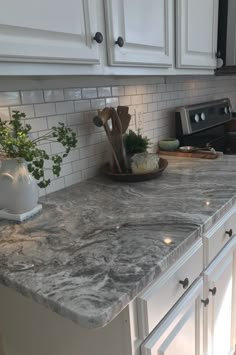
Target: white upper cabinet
<point>50,31</point>
<point>196,33</point>
<point>138,37</point>
<point>143,31</point>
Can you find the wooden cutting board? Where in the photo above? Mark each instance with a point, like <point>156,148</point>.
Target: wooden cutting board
<point>199,154</point>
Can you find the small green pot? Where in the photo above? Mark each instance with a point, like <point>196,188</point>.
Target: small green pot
<point>169,144</point>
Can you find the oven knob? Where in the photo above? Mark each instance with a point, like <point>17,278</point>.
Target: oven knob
<point>196,118</point>
<point>203,116</point>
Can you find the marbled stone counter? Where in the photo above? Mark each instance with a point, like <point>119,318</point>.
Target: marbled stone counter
<point>97,244</point>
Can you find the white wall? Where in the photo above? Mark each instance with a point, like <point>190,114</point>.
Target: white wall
<point>74,101</point>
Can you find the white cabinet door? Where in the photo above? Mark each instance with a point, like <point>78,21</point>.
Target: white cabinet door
<point>50,31</point>
<point>181,331</point>
<point>220,315</point>
<point>146,28</point>
<point>196,33</point>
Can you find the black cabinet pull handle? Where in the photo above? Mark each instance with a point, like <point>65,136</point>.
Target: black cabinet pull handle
<point>98,37</point>
<point>213,291</point>
<point>205,302</point>
<point>120,41</point>
<point>229,232</point>
<point>184,283</point>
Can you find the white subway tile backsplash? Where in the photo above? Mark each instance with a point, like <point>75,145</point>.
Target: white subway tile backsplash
<point>55,120</point>
<point>48,109</point>
<point>118,91</point>
<point>125,100</point>
<point>82,105</point>
<point>147,98</point>
<point>9,98</point>
<point>46,147</point>
<point>141,89</point>
<point>74,119</point>
<point>57,148</point>
<point>66,169</point>
<point>73,179</point>
<point>72,94</point>
<point>153,101</point>
<point>4,113</point>
<point>89,93</point>
<point>90,172</point>
<point>79,165</point>
<point>37,124</point>
<point>32,97</point>
<point>65,107</point>
<point>27,109</point>
<point>104,91</point>
<point>56,185</point>
<point>112,101</point>
<point>136,100</point>
<point>130,90</point>
<point>97,104</point>
<point>53,95</point>
<point>73,156</point>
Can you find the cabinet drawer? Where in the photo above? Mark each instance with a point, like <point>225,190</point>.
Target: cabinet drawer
<point>219,235</point>
<point>181,331</point>
<point>157,299</point>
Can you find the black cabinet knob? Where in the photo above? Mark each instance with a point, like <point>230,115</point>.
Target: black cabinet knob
<point>120,41</point>
<point>205,302</point>
<point>184,283</point>
<point>98,37</point>
<point>229,232</point>
<point>213,291</point>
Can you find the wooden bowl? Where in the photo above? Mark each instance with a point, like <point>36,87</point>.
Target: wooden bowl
<point>129,177</point>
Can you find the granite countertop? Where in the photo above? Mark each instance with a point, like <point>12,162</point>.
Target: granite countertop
<point>97,244</point>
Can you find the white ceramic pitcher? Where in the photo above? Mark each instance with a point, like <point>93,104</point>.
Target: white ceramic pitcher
<point>18,189</point>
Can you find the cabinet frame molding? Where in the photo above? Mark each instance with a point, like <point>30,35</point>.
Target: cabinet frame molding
<point>186,58</point>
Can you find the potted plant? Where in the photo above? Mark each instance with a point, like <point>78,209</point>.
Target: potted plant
<point>140,160</point>
<point>23,162</point>
<point>135,143</point>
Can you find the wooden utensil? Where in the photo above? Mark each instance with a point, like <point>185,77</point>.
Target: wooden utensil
<point>101,120</point>
<point>117,140</point>
<point>125,117</point>
<point>114,133</point>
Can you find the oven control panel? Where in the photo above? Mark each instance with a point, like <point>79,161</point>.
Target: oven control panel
<point>199,117</point>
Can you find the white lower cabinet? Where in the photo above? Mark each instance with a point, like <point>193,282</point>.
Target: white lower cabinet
<point>220,315</point>
<point>201,320</point>
<point>181,331</point>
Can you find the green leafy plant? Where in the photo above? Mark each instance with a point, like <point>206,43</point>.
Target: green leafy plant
<point>135,143</point>
<point>15,142</point>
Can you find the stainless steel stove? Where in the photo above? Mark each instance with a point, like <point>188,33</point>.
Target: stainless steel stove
<point>207,125</point>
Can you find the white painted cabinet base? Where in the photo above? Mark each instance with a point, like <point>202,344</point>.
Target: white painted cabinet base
<point>30,329</point>
<point>181,331</point>
<point>220,315</point>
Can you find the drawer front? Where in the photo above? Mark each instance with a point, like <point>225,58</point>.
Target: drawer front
<point>156,300</point>
<point>218,236</point>
<point>181,331</point>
